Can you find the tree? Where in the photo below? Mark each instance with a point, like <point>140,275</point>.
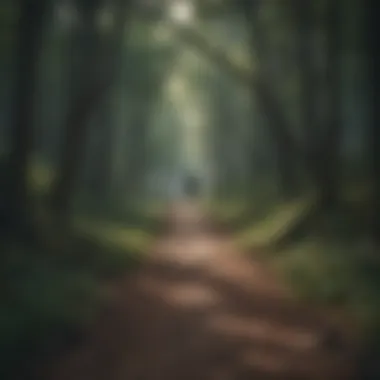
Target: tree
<point>326,160</point>
<point>145,86</point>
<point>107,124</point>
<point>306,29</point>
<point>28,46</point>
<point>275,119</point>
<point>89,95</point>
<point>286,145</point>
<point>373,60</point>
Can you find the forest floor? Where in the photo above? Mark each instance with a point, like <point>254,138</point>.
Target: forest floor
<point>200,309</point>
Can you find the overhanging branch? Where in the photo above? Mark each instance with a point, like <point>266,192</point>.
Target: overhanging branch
<point>246,76</point>
<point>216,55</point>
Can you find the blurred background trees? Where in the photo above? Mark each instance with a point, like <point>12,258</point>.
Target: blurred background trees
<point>105,105</point>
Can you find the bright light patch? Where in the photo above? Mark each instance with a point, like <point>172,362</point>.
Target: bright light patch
<point>177,87</point>
<point>181,11</point>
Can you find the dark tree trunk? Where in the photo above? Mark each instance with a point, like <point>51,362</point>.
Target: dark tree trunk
<point>328,158</point>
<point>85,100</point>
<point>372,21</point>
<point>306,28</point>
<point>114,49</point>
<point>286,155</point>
<point>101,166</point>
<point>73,150</point>
<point>28,47</point>
<point>136,156</point>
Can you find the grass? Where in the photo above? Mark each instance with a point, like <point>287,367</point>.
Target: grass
<point>332,262</point>
<point>237,213</point>
<point>279,222</point>
<point>130,243</point>
<point>334,273</point>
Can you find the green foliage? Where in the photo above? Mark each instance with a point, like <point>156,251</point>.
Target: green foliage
<point>50,295</point>
<point>332,262</point>
<point>276,222</point>
<point>41,300</point>
<point>237,214</point>
<point>317,270</point>
<point>336,273</point>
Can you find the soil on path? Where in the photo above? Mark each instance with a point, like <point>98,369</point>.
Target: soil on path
<point>200,310</point>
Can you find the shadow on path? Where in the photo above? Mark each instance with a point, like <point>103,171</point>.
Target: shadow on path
<point>200,311</point>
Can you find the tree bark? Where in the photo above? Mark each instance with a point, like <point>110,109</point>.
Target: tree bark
<point>28,47</point>
<point>373,57</point>
<point>90,95</point>
<point>136,155</point>
<point>108,123</point>
<point>73,145</point>
<point>287,159</point>
<point>305,21</point>
<point>326,161</point>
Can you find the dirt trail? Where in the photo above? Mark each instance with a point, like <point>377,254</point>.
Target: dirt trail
<point>199,310</point>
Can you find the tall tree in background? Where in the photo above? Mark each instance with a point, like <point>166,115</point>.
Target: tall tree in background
<point>373,59</point>
<point>108,125</point>
<point>277,125</point>
<point>305,22</point>
<point>84,92</point>
<point>319,52</point>
<point>153,64</point>
<point>327,158</point>
<point>32,17</point>
<point>94,79</point>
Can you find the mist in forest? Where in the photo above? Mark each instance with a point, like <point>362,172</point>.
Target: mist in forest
<point>113,113</point>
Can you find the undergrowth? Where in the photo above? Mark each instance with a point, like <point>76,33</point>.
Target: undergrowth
<point>332,262</point>
<point>51,295</point>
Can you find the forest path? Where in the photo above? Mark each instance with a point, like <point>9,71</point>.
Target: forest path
<point>200,310</point>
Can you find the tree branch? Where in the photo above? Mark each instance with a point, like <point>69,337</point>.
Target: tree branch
<point>246,75</point>
<point>242,72</point>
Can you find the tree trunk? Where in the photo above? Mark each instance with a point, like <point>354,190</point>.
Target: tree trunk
<point>306,28</point>
<point>28,47</point>
<point>259,87</point>
<point>136,160</point>
<point>108,123</point>
<point>73,149</point>
<point>373,57</point>
<point>99,154</point>
<point>90,95</point>
<point>285,152</point>
<point>83,98</point>
<point>328,157</point>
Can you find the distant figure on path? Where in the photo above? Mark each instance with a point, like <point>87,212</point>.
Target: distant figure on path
<point>192,186</point>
